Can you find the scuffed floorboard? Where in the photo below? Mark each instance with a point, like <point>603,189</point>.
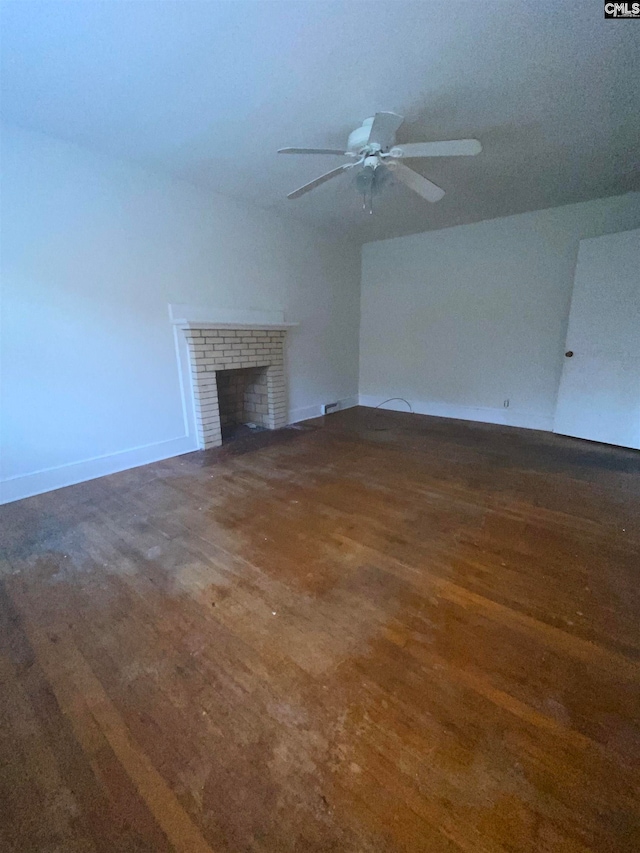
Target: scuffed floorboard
<point>382,632</point>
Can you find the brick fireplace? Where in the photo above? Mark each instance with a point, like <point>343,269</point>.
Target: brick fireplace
<point>256,392</point>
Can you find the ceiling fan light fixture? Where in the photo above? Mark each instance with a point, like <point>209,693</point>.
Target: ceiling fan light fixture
<point>380,178</point>
<point>370,180</point>
<point>365,180</point>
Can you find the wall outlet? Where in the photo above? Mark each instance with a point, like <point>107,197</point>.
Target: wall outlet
<point>329,407</point>
<point>506,403</point>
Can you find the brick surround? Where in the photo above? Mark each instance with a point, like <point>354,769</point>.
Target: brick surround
<point>212,350</point>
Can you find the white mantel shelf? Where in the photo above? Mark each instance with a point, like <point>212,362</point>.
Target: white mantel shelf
<point>196,324</point>
<point>185,316</point>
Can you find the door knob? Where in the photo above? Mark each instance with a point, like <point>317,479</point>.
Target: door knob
<point>569,353</point>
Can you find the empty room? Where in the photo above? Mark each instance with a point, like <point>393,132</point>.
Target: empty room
<point>319,426</point>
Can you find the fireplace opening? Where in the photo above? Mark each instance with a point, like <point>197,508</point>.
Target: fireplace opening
<point>243,401</point>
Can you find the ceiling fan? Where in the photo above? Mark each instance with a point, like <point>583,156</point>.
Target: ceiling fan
<point>372,148</point>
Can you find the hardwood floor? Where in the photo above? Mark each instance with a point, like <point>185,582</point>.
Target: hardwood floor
<point>381,632</point>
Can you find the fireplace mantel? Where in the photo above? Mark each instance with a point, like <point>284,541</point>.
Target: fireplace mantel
<point>222,339</point>
<point>207,324</point>
<point>203,316</point>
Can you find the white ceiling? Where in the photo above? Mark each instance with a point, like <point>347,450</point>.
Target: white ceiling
<point>208,91</point>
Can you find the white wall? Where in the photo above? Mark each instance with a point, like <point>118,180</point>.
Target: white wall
<point>93,250</point>
<point>461,319</point>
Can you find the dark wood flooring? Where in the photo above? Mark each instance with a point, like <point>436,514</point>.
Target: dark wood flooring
<point>381,632</point>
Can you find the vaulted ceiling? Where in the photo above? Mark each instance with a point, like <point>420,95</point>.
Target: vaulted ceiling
<point>208,91</point>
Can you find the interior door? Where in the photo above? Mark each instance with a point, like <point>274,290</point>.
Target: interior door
<point>599,395</point>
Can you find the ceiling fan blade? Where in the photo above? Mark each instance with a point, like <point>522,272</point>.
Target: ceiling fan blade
<point>314,151</point>
<point>454,148</point>
<point>316,183</point>
<point>418,183</point>
<point>383,129</point>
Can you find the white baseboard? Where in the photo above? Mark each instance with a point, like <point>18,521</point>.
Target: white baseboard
<point>487,415</point>
<point>37,482</point>
<point>307,412</point>
<point>27,485</point>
